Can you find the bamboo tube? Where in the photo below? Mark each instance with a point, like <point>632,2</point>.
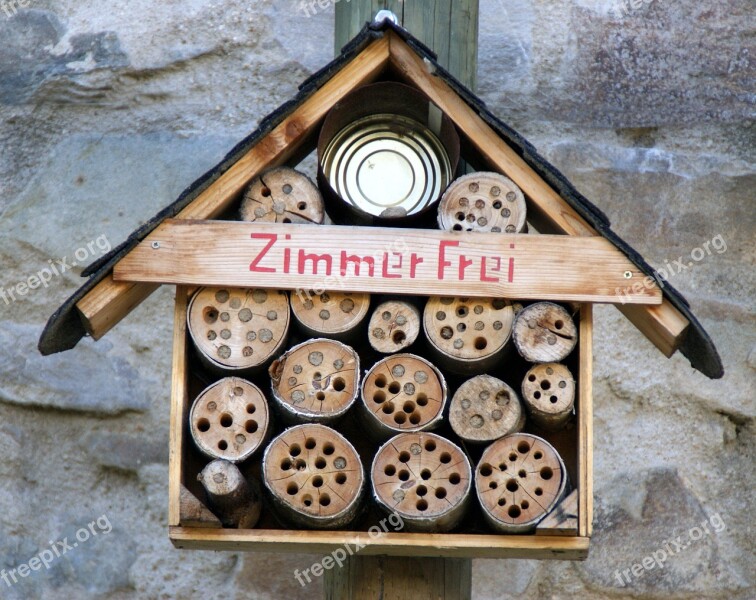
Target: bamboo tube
<point>544,332</point>
<point>237,329</point>
<point>314,477</point>
<point>425,479</point>
<point>484,409</point>
<point>316,381</point>
<point>333,315</point>
<point>518,480</point>
<point>402,392</point>
<point>548,391</point>
<point>230,420</point>
<point>394,325</point>
<point>282,195</point>
<point>468,335</point>
<point>234,500</point>
<point>483,201</point>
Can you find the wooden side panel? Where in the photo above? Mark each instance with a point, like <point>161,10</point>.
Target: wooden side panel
<point>585,423</point>
<point>179,407</point>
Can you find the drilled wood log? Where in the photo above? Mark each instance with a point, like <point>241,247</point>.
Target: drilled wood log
<point>314,477</point>
<point>316,381</point>
<point>401,393</point>
<point>394,325</point>
<point>468,335</point>
<point>235,500</point>
<point>425,479</point>
<point>483,201</point>
<point>548,391</point>
<point>230,420</point>
<point>518,481</point>
<point>238,329</point>
<point>544,332</point>
<point>336,315</point>
<point>282,195</point>
<point>484,409</point>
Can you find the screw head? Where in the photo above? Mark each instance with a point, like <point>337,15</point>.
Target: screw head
<point>155,245</point>
<point>628,275</point>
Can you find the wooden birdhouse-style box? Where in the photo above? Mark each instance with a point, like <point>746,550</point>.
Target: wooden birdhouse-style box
<point>569,258</point>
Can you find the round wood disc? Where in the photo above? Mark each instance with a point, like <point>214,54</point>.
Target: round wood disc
<point>518,480</point>
<point>544,332</point>
<point>318,379</point>
<point>237,328</point>
<point>484,409</point>
<point>229,419</point>
<point>315,474</point>
<point>404,392</point>
<point>330,313</point>
<point>424,478</point>
<point>393,326</point>
<point>468,330</point>
<point>282,195</point>
<point>483,201</point>
<point>548,390</point>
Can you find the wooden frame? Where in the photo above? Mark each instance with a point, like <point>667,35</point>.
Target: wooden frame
<point>186,532</point>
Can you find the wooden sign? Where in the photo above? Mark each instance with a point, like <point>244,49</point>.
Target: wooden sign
<point>310,259</point>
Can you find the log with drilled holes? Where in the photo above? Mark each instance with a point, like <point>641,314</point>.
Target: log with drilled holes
<point>394,325</point>
<point>315,381</point>
<point>336,315</point>
<point>238,329</point>
<point>314,477</point>
<point>484,408</point>
<point>236,501</point>
<point>483,201</point>
<point>282,195</point>
<point>518,480</point>
<point>425,479</point>
<point>468,335</point>
<point>230,420</point>
<point>544,332</point>
<point>401,393</point>
<point>548,392</point>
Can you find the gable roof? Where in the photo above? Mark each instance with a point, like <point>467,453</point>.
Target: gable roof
<point>66,327</point>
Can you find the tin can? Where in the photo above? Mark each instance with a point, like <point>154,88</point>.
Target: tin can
<point>385,155</point>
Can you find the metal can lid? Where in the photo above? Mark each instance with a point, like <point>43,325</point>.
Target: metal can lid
<point>387,164</point>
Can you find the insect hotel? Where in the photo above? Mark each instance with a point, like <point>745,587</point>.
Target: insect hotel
<point>406,333</point>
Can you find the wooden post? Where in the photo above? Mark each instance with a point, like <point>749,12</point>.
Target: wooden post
<point>450,28</point>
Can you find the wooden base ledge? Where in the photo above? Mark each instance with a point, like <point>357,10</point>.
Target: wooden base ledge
<point>395,544</point>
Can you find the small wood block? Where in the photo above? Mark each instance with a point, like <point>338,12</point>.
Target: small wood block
<point>238,329</point>
<point>563,519</point>
<point>424,478</point>
<point>401,393</point>
<point>519,480</point>
<point>317,380</point>
<point>314,476</point>
<point>330,314</point>
<point>282,195</point>
<point>230,420</point>
<point>468,335</point>
<point>548,391</point>
<point>195,514</point>
<point>394,325</point>
<point>234,500</point>
<point>544,332</point>
<point>484,409</point>
<point>483,201</point>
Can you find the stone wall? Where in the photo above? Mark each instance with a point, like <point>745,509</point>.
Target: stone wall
<point>109,109</point>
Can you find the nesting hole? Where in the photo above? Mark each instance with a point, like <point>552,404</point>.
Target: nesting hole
<point>379,397</point>
<point>324,499</point>
<point>514,511</point>
<point>404,475</point>
<point>317,481</point>
<point>394,387</point>
<point>339,384</point>
<point>454,478</point>
<point>445,457</point>
<point>295,450</point>
<point>390,470</point>
<point>523,447</point>
<point>340,478</point>
<point>404,456</point>
<point>430,445</point>
<point>310,443</point>
<point>380,381</point>
<point>512,485</point>
<point>292,489</point>
<point>400,418</point>
<point>203,425</point>
<point>425,474</point>
<point>320,462</point>
<point>422,505</point>
<point>547,473</point>
<point>440,493</point>
<point>422,400</point>
<point>421,490</point>
<point>328,448</point>
<point>415,418</point>
<point>226,420</point>
<point>480,343</point>
<point>250,426</point>
<point>486,470</point>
